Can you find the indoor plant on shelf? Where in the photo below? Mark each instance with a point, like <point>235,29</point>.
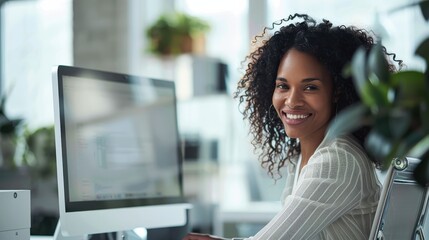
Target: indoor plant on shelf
<point>395,105</point>
<point>9,129</point>
<point>177,33</point>
<point>39,154</point>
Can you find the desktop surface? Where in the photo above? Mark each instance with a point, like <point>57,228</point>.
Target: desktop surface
<point>41,237</point>
<point>170,233</point>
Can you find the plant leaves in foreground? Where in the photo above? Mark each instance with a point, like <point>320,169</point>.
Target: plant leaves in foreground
<point>410,87</point>
<point>347,121</point>
<point>378,146</point>
<point>421,172</point>
<point>424,8</point>
<point>423,50</point>
<point>359,70</point>
<point>377,65</point>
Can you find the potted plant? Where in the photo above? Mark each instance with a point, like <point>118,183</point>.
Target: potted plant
<point>395,105</point>
<point>8,136</point>
<point>177,33</point>
<point>39,154</point>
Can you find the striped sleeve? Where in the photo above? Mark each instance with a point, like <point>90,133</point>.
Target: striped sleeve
<point>329,186</point>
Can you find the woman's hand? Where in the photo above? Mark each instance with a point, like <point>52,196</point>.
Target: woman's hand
<point>199,236</point>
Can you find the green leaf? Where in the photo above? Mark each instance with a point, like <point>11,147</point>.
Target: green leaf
<point>381,124</point>
<point>10,126</point>
<point>421,172</point>
<point>375,96</point>
<point>420,146</point>
<point>372,88</point>
<point>359,70</point>
<point>410,87</point>
<point>424,113</point>
<point>410,142</point>
<point>378,145</point>
<point>399,122</point>
<point>377,65</point>
<point>424,8</point>
<point>423,50</point>
<point>423,4</point>
<point>2,104</point>
<point>347,121</point>
<point>401,78</point>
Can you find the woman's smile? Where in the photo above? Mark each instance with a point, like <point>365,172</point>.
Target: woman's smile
<point>295,118</point>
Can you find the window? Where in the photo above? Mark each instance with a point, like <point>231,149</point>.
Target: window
<point>36,35</point>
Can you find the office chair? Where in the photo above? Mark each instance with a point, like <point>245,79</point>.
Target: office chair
<point>403,204</point>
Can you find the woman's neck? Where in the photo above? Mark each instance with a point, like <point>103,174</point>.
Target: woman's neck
<point>308,147</point>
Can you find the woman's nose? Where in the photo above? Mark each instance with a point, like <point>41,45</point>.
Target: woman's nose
<point>294,99</point>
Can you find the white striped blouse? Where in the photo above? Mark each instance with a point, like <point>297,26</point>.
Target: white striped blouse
<point>334,197</point>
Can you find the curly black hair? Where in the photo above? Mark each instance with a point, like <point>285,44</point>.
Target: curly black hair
<point>334,48</point>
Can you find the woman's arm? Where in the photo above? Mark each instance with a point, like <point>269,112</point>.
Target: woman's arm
<point>329,186</point>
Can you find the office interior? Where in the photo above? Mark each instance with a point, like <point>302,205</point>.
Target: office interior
<point>231,194</point>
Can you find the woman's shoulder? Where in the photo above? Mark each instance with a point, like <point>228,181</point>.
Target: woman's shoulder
<point>344,142</point>
<point>339,148</point>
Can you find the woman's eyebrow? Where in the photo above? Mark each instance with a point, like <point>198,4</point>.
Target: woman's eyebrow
<point>305,80</point>
<point>311,79</point>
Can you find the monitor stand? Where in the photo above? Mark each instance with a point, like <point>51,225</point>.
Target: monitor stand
<point>58,235</point>
<point>129,235</point>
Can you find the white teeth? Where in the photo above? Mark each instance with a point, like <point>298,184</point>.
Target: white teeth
<point>296,116</point>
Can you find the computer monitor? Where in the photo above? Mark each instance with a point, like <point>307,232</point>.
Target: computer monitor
<point>117,150</point>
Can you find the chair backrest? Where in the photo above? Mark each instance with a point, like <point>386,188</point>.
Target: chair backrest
<point>402,205</point>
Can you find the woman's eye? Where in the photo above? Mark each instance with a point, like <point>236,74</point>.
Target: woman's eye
<point>310,87</point>
<point>282,86</point>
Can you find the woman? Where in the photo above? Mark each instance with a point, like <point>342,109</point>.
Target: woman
<point>292,89</point>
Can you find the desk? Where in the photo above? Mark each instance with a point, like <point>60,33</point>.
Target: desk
<point>171,233</point>
<point>250,212</point>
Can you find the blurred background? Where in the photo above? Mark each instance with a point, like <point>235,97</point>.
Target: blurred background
<point>197,44</point>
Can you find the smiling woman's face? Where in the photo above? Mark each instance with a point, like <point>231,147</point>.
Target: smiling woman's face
<point>303,96</point>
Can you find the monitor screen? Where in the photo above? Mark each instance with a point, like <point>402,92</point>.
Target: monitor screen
<point>117,150</point>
